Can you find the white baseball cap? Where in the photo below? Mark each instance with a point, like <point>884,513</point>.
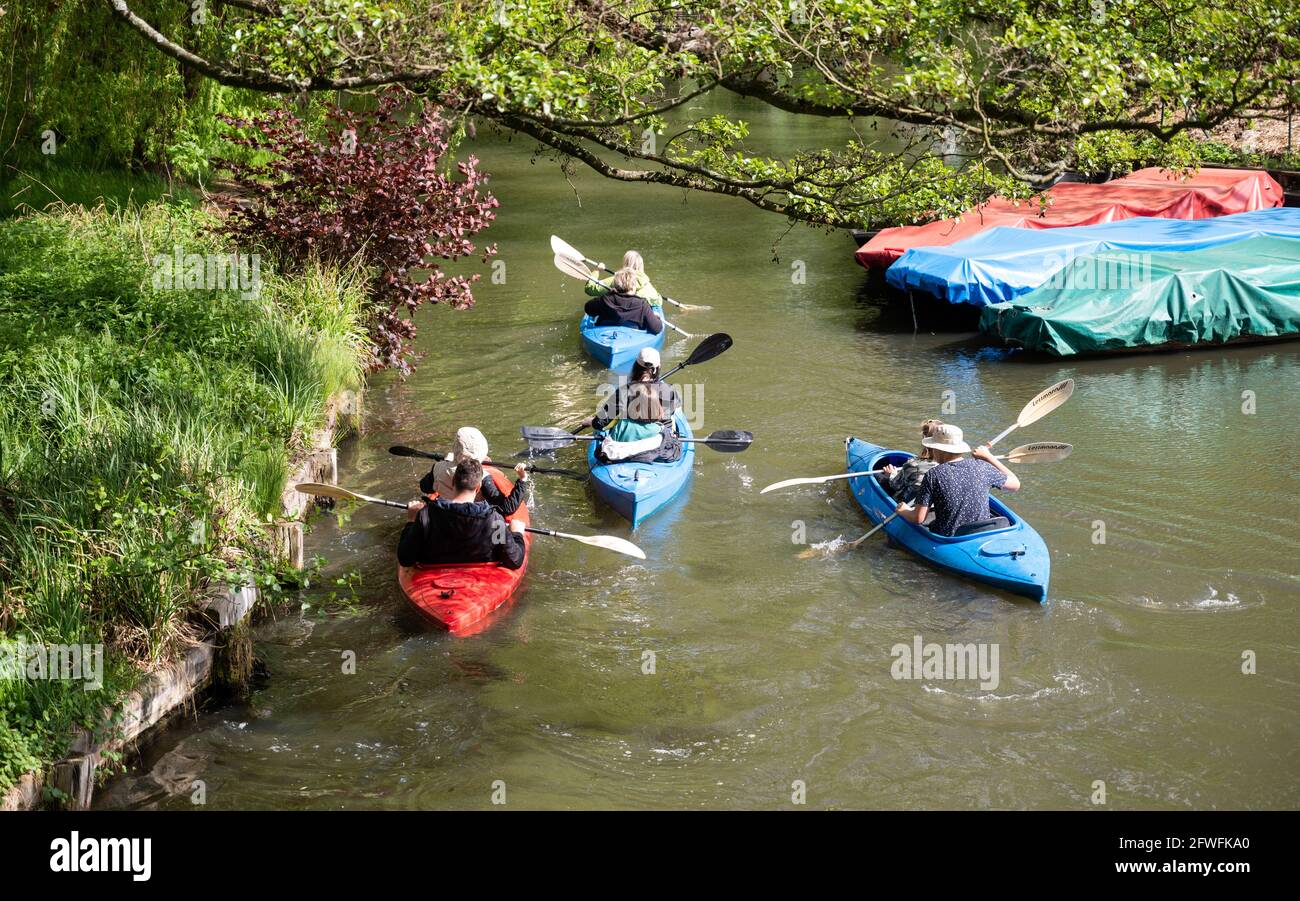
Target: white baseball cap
<point>947,438</point>
<point>648,357</point>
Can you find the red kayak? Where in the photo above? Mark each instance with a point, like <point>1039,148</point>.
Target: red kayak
<point>460,596</point>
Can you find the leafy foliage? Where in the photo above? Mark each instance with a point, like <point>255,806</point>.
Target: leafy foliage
<point>108,98</point>
<point>132,474</point>
<point>999,91</point>
<point>373,186</point>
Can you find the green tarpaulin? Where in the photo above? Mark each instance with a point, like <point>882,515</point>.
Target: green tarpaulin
<point>1127,300</point>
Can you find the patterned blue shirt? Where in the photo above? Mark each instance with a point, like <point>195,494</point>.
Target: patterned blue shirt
<point>958,493</point>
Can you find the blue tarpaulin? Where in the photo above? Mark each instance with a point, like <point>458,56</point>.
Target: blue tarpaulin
<point>1000,264</point>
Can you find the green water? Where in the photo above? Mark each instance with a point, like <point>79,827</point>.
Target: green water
<point>769,669</point>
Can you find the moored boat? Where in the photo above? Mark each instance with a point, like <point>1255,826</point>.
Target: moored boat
<point>460,596</point>
<point>1012,557</point>
<point>637,490</point>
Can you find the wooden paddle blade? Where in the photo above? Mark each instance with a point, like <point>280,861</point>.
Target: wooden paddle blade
<point>687,307</point>
<point>818,480</point>
<point>320,489</point>
<point>609,543</point>
<point>573,268</point>
<point>777,486</point>
<point>562,248</point>
<point>1045,402</point>
<point>1040,452</point>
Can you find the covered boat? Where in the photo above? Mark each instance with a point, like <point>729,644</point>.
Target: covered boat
<point>1146,192</point>
<point>1013,557</point>
<point>1118,301</point>
<point>1002,263</point>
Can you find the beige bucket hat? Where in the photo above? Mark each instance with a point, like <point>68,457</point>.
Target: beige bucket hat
<point>469,443</point>
<point>947,438</point>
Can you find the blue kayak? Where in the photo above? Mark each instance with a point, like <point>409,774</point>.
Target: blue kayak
<point>1013,557</point>
<point>636,490</point>
<point>616,346</point>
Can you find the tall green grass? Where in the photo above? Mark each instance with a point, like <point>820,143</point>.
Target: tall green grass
<point>32,183</point>
<point>146,433</point>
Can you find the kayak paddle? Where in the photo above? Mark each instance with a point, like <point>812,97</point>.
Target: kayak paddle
<point>728,441</point>
<point>577,270</point>
<point>712,346</point>
<point>608,542</point>
<point>402,451</point>
<point>1043,402</point>
<point>1039,452</point>
<point>562,248</point>
<point>813,552</point>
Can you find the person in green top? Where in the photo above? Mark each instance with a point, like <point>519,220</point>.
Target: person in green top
<point>635,423</point>
<point>597,287</point>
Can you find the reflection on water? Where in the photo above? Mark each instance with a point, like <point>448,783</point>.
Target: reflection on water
<point>765,668</point>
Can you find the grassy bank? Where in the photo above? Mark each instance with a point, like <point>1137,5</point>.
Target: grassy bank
<point>147,421</point>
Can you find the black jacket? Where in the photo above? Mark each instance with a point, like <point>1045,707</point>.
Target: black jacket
<point>624,309</point>
<point>505,504</point>
<point>615,406</point>
<point>443,532</point>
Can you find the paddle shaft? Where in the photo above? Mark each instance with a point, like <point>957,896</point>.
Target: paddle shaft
<point>400,451</point>
<point>384,502</point>
<point>888,519</point>
<point>595,265</point>
<point>709,440</point>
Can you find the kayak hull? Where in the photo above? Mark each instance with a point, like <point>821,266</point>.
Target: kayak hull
<point>636,490</point>
<point>459,597</point>
<point>1014,558</point>
<point>616,346</point>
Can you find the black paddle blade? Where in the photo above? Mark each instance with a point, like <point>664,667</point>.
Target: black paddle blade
<point>730,441</point>
<point>542,438</point>
<point>709,348</point>
<point>401,451</point>
<point>533,433</point>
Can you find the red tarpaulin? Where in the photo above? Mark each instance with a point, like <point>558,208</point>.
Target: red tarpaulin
<point>1146,192</point>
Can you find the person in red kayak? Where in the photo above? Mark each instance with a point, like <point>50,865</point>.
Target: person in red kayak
<point>471,445</point>
<point>460,528</point>
<point>957,489</point>
<point>623,306</point>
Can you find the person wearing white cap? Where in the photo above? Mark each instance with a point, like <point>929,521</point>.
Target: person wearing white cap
<point>471,445</point>
<point>622,306</point>
<point>635,423</point>
<point>957,489</point>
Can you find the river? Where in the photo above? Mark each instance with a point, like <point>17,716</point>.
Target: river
<point>771,676</point>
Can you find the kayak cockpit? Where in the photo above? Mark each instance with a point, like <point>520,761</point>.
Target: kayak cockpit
<point>996,507</point>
